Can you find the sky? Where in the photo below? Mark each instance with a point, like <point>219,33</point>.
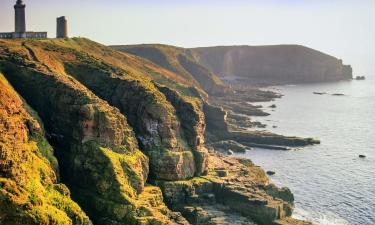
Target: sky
<point>342,28</point>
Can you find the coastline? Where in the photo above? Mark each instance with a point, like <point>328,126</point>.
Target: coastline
<point>321,175</point>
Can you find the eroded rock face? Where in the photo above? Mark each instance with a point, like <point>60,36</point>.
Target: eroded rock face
<point>29,189</point>
<point>216,118</point>
<point>190,113</point>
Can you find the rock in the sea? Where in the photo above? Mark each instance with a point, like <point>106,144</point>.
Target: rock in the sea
<point>271,173</point>
<point>319,93</point>
<point>360,78</point>
<point>362,156</point>
<point>230,146</point>
<point>273,106</point>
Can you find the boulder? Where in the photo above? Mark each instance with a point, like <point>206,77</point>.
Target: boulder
<point>271,173</point>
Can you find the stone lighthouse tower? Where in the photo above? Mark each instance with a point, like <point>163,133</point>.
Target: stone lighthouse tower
<point>20,21</point>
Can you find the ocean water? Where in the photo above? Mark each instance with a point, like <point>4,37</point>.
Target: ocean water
<point>331,184</point>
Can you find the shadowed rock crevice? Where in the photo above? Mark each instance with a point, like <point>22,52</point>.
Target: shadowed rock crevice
<point>190,113</point>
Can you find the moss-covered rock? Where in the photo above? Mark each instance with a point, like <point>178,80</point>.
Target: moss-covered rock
<point>97,150</point>
<point>162,134</point>
<point>29,192</point>
<point>98,153</point>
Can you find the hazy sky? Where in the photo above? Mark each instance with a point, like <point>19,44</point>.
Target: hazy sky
<point>343,28</point>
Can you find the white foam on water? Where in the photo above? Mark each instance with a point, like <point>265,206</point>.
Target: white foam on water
<point>328,218</point>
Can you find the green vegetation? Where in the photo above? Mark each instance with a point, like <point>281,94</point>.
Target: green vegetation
<point>181,62</point>
<point>28,169</point>
<point>65,82</point>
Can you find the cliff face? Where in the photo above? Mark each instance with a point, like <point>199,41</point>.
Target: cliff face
<point>124,136</point>
<point>30,192</point>
<point>272,64</point>
<point>99,157</point>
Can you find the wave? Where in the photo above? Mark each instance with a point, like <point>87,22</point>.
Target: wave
<point>327,218</point>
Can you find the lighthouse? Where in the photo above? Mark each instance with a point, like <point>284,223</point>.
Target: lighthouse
<point>20,20</point>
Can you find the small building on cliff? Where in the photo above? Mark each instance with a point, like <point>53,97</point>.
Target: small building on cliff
<point>62,27</point>
<point>20,25</point>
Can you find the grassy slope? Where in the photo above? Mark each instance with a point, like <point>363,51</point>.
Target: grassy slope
<point>179,61</point>
<point>136,67</point>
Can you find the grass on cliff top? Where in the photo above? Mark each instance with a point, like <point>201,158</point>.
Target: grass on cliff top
<point>167,57</point>
<point>133,65</point>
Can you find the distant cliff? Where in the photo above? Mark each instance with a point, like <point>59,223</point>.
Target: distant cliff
<point>280,64</point>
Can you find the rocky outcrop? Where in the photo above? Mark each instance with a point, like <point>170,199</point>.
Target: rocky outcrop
<point>244,189</point>
<point>153,117</point>
<point>30,192</point>
<point>281,64</point>
<point>190,113</point>
<point>216,118</point>
<point>229,145</point>
<point>237,104</point>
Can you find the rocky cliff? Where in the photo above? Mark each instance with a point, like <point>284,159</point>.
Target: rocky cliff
<point>30,191</point>
<point>90,135</point>
<point>281,64</point>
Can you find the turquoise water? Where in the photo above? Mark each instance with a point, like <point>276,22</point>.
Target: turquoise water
<point>332,185</point>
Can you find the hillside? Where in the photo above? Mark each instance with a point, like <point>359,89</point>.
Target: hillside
<point>90,135</point>
<point>179,61</point>
<point>280,64</point>
<point>254,65</point>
